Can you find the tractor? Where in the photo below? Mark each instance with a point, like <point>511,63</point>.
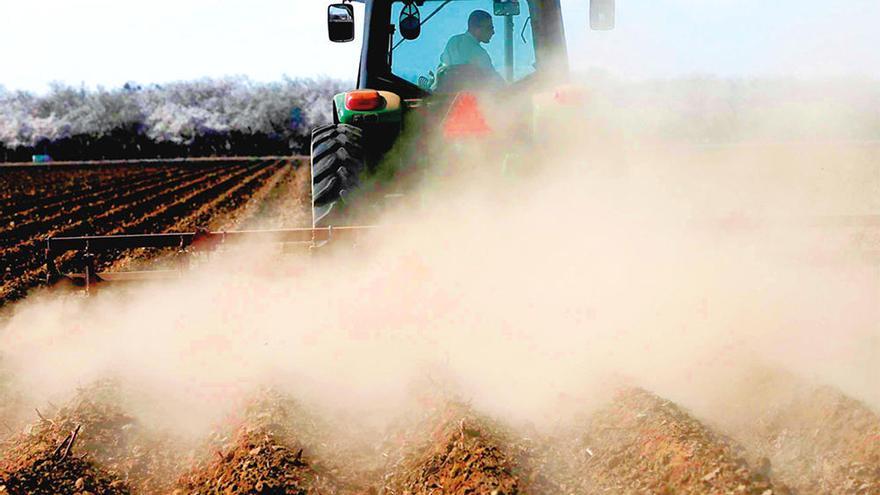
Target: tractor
<point>429,72</point>
<point>416,86</point>
<point>433,80</point>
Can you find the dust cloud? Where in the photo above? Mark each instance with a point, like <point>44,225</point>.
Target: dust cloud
<point>614,258</point>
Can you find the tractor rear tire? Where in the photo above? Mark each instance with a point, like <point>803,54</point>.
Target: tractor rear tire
<point>337,162</point>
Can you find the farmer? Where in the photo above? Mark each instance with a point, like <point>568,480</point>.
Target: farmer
<point>465,49</point>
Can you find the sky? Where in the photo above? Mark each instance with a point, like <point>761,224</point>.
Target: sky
<point>110,42</point>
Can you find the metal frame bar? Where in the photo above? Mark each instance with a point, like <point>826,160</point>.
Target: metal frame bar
<point>183,241</point>
<point>202,239</point>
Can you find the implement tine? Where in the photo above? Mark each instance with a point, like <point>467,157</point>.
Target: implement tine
<point>53,274</point>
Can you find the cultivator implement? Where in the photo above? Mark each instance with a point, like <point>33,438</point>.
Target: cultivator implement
<point>88,248</point>
<point>856,236</point>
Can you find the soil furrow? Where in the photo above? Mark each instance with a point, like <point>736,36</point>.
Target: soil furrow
<point>54,213</point>
<point>84,193</point>
<point>641,443</point>
<point>25,255</point>
<point>151,207</point>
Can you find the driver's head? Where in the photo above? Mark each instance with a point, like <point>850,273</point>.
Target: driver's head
<point>480,25</point>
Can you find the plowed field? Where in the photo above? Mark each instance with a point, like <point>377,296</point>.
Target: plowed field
<point>636,443</point>
<point>778,434</point>
<point>38,202</point>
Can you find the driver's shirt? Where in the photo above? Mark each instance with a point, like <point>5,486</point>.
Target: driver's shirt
<point>464,49</point>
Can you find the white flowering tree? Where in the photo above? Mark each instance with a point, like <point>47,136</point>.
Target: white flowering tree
<point>179,113</point>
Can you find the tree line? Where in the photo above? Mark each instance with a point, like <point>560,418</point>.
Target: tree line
<point>236,116</point>
<point>208,117</point>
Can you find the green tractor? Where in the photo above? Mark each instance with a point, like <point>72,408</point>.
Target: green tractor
<point>431,81</point>
<point>434,71</point>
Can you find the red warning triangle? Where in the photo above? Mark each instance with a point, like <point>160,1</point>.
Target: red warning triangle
<point>465,119</point>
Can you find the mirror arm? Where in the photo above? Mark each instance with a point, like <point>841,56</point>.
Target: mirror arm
<point>391,30</point>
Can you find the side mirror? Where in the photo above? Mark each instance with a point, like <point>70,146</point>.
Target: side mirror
<point>340,22</point>
<point>410,22</point>
<point>602,15</point>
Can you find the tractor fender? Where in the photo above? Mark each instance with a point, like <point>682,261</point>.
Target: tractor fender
<point>391,110</point>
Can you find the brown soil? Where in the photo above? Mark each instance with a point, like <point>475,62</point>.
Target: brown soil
<point>113,200</point>
<point>286,204</point>
<point>255,463</point>
<point>43,472</point>
<point>88,445</point>
<point>820,441</point>
<point>265,456</point>
<point>640,443</point>
<point>454,451</point>
<point>817,442</point>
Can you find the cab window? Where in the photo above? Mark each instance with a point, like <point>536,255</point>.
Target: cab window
<point>418,60</point>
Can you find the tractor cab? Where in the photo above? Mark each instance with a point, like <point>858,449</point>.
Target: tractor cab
<point>436,71</point>
<point>417,47</point>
